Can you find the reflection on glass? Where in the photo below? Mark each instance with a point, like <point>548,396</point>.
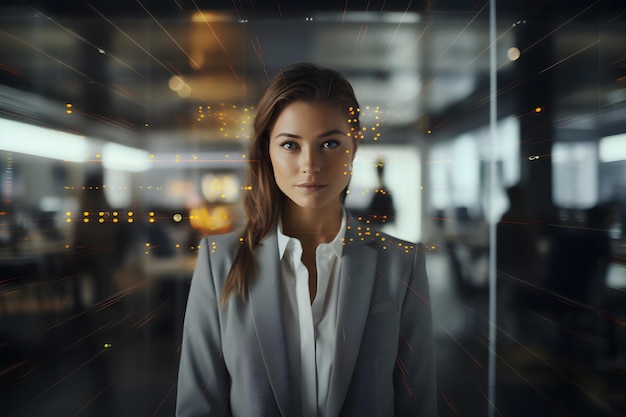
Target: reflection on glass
<point>123,140</point>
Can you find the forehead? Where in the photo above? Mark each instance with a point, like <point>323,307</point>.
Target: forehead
<point>307,115</point>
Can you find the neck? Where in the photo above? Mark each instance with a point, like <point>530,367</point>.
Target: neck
<point>312,226</point>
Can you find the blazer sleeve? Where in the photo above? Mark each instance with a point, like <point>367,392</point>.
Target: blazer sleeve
<point>203,380</point>
<point>414,375</point>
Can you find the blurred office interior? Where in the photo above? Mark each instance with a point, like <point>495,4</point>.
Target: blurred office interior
<point>124,129</point>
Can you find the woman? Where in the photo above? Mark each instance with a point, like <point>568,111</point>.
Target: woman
<point>307,312</point>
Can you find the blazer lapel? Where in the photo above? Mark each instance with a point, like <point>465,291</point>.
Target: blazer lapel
<point>265,302</point>
<point>358,270</point>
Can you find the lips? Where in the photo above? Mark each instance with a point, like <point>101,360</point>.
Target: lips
<point>310,186</point>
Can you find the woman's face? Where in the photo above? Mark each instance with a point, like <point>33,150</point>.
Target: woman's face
<point>311,150</point>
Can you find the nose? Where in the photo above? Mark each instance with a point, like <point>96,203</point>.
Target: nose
<point>309,161</point>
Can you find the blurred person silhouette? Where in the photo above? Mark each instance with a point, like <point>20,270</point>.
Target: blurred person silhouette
<point>521,262</point>
<point>609,299</point>
<point>306,312</point>
<point>576,270</point>
<point>98,248</point>
<point>381,209</point>
<point>580,248</point>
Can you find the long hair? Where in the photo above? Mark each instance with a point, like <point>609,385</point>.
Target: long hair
<point>263,200</point>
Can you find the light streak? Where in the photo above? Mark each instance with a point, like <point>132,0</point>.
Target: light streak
<point>258,51</point>
<point>568,57</point>
<point>493,406</point>
<point>82,39</point>
<point>12,367</point>
<point>561,374</point>
<point>210,28</point>
<point>488,47</point>
<point>91,401</point>
<point>560,26</point>
<point>144,50</point>
<point>461,32</point>
<point>360,38</point>
<point>236,9</point>
<point>170,36</point>
<point>165,397</point>
<point>71,68</point>
<point>148,317</point>
<point>395,32</point>
<point>451,404</point>
<point>476,361</point>
<point>41,394</point>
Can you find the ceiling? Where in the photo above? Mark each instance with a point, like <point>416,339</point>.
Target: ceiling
<point>186,74</point>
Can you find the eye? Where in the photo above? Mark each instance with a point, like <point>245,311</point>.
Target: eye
<point>330,144</point>
<point>290,146</point>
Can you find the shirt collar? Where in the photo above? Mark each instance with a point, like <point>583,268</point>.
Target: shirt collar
<point>336,244</point>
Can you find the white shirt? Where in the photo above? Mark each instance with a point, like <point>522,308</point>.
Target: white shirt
<point>311,328</point>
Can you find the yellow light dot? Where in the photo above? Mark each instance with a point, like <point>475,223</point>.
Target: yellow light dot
<point>130,214</point>
<point>177,217</point>
<point>151,213</point>
<point>151,220</point>
<point>537,109</point>
<point>107,345</point>
<point>130,220</point>
<point>148,244</point>
<point>115,220</point>
<point>115,213</point>
<point>101,213</point>
<point>86,220</point>
<point>68,213</point>
<point>68,220</point>
<point>85,213</point>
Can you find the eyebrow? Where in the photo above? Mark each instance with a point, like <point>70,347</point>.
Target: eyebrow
<point>320,136</point>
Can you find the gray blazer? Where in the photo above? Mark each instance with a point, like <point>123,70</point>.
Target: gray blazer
<point>234,359</point>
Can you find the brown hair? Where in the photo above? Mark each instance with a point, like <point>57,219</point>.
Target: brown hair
<point>263,200</point>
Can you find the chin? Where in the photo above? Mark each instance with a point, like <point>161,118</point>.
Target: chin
<point>313,203</point>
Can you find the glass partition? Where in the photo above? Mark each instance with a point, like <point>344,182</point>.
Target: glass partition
<point>124,133</point>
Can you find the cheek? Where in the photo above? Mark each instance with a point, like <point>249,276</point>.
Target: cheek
<point>279,165</point>
<point>344,162</point>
